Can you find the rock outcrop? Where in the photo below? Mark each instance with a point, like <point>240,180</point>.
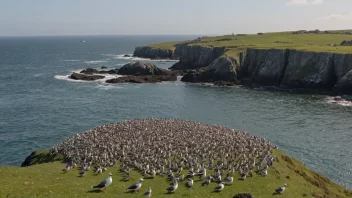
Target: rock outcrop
<point>91,71</point>
<point>344,85</point>
<point>154,53</point>
<point>195,56</point>
<point>222,70</point>
<point>40,157</point>
<point>142,69</point>
<point>77,76</point>
<point>143,79</point>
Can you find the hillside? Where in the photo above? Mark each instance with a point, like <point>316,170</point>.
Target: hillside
<point>47,180</point>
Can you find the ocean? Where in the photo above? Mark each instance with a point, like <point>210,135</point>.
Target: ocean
<point>40,106</point>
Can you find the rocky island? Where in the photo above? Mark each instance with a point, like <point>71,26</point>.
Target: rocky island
<point>131,73</point>
<point>309,60</point>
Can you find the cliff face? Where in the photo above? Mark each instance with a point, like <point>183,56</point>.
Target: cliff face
<point>268,67</point>
<point>297,69</point>
<point>195,56</point>
<point>265,67</point>
<point>154,53</point>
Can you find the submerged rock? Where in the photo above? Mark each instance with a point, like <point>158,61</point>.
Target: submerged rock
<point>77,76</point>
<point>103,67</point>
<point>126,55</point>
<point>143,79</point>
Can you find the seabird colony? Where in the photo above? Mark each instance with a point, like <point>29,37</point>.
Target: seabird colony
<point>168,146</point>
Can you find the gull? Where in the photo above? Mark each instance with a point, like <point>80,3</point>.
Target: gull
<point>82,173</point>
<point>206,181</point>
<point>281,189</point>
<point>135,187</point>
<point>190,183</point>
<point>220,187</point>
<point>104,184</point>
<point>264,172</point>
<point>148,193</point>
<point>173,187</point>
<point>228,180</point>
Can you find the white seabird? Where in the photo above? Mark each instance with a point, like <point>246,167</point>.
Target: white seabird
<point>104,184</point>
<point>173,187</point>
<point>281,189</point>
<point>148,193</point>
<point>228,180</point>
<point>136,186</point>
<point>190,183</point>
<point>219,188</point>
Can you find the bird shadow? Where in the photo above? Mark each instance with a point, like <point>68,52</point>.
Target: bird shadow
<point>131,192</point>
<point>94,191</point>
<point>168,193</point>
<point>148,178</point>
<point>275,193</point>
<point>124,180</point>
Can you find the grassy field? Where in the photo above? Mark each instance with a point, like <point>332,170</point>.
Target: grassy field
<point>47,180</point>
<point>281,40</point>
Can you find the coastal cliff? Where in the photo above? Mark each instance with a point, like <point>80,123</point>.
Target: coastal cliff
<point>298,69</point>
<point>154,53</point>
<point>284,68</point>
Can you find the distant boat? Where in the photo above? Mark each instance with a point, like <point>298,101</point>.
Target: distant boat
<point>83,41</point>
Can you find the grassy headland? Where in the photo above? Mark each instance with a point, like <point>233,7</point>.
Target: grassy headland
<point>47,180</point>
<point>322,42</point>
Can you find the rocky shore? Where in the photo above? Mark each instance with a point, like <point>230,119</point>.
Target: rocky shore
<point>132,73</point>
<point>283,68</point>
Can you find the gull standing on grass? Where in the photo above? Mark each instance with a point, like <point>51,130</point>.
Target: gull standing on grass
<point>104,184</point>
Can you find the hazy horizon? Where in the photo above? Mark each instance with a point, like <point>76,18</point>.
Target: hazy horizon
<point>160,17</point>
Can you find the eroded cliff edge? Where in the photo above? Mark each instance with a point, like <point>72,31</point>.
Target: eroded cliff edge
<point>284,68</point>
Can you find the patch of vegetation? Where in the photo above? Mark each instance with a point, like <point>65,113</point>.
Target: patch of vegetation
<point>47,180</point>
<point>277,40</point>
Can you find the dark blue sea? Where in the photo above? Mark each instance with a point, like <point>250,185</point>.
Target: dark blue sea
<point>40,106</point>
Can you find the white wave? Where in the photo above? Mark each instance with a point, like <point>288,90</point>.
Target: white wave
<point>67,78</point>
<point>101,81</point>
<point>70,60</point>
<point>37,75</point>
<point>121,56</point>
<point>339,101</point>
<point>95,62</point>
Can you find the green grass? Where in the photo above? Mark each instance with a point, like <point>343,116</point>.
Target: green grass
<point>47,180</point>
<point>278,40</point>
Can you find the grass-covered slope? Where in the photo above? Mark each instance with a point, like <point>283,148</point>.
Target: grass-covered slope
<point>281,40</point>
<point>47,180</point>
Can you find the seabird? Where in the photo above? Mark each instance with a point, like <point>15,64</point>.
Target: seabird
<point>148,193</point>
<point>173,187</point>
<point>229,180</point>
<point>281,189</point>
<point>104,184</point>
<point>82,173</point>
<point>136,186</point>
<point>190,183</point>
<point>220,187</point>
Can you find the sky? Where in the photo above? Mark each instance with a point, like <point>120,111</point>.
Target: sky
<point>169,17</point>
